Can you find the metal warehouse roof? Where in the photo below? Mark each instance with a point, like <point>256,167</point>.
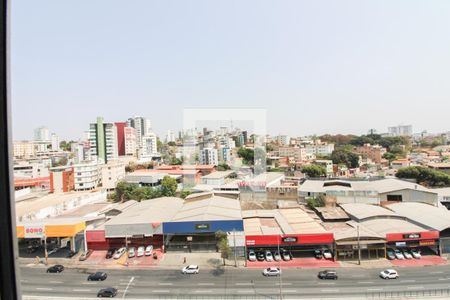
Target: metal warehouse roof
<point>218,175</point>
<point>212,208</point>
<point>363,211</point>
<point>429,216</point>
<point>350,232</point>
<point>385,226</point>
<point>380,186</point>
<point>280,221</point>
<point>149,211</point>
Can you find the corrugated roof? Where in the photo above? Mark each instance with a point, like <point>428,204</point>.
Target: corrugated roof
<point>437,218</point>
<point>363,211</point>
<point>218,175</point>
<point>385,226</point>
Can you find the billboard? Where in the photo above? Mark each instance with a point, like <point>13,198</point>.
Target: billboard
<point>34,231</point>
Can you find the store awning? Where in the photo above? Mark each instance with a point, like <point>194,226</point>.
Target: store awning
<point>362,242</point>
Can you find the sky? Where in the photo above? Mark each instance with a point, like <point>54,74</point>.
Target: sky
<point>315,66</point>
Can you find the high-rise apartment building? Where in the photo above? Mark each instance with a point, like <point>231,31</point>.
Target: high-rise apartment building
<point>120,126</point>
<point>149,145</point>
<point>143,127</point>
<point>42,134</point>
<point>55,142</point>
<point>209,156</point>
<point>400,130</point>
<point>103,141</point>
<point>130,141</point>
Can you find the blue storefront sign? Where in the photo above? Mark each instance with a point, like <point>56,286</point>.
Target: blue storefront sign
<point>202,226</point>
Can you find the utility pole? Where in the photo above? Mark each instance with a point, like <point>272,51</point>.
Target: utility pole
<point>359,246</point>
<point>234,244</point>
<point>279,266</point>
<point>45,249</point>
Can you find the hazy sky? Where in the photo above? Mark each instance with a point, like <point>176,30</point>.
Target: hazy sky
<point>316,66</point>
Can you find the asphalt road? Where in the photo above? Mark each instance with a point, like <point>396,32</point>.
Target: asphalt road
<point>236,283</point>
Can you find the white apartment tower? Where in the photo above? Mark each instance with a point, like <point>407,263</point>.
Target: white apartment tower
<point>209,156</point>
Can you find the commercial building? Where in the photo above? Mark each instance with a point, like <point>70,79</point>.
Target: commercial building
<point>291,229</point>
<point>369,192</point>
<point>218,178</point>
<point>255,189</point>
<point>87,175</point>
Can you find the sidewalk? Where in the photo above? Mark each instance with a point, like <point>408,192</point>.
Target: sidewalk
<point>367,264</point>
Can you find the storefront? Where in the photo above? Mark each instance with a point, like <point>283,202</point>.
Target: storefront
<point>197,236</point>
<point>368,249</point>
<point>427,242</point>
<point>299,245</point>
<point>58,236</point>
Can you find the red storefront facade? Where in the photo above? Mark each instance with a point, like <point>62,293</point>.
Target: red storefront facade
<point>428,239</point>
<point>96,240</point>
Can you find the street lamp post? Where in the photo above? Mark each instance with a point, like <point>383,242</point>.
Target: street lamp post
<point>279,266</point>
<point>359,246</point>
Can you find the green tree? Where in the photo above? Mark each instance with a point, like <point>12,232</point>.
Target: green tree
<point>172,144</point>
<point>124,191</point>
<point>343,156</point>
<point>247,155</point>
<point>185,193</point>
<point>168,186</point>
<point>318,201</point>
<point>223,167</point>
<point>425,176</point>
<point>314,171</point>
<point>222,245</point>
<point>389,156</point>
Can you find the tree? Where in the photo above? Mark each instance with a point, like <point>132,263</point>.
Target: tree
<point>314,171</point>
<point>247,155</point>
<point>172,144</point>
<point>425,176</point>
<point>389,156</point>
<point>343,156</point>
<point>168,186</point>
<point>222,245</point>
<point>185,193</point>
<point>124,191</point>
<point>223,167</point>
<point>318,201</point>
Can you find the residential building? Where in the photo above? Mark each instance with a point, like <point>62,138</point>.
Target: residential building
<point>149,145</point>
<point>297,153</point>
<point>319,148</point>
<point>24,149</point>
<point>283,140</point>
<point>209,156</point>
<point>400,130</point>
<point>143,127</point>
<point>120,126</point>
<point>61,179</point>
<point>130,141</point>
<point>224,154</point>
<point>55,142</point>
<point>170,137</point>
<point>112,172</point>
<point>42,134</point>
<point>373,152</point>
<point>328,164</point>
<point>443,167</point>
<point>103,141</point>
<point>86,175</point>
<point>400,163</point>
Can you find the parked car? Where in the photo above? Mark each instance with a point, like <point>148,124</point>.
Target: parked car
<point>389,274</point>
<point>416,253</point>
<point>390,254</point>
<point>268,256</point>
<point>327,254</point>
<point>85,255</point>
<point>119,253</point>
<point>251,255</point>
<point>98,276</point>
<point>191,269</point>
<point>71,254</point>
<point>276,256</point>
<point>55,269</point>
<point>148,250</point>
<point>260,256</point>
<point>286,255</point>
<point>131,252</point>
<point>406,254</point>
<point>108,292</point>
<point>110,253</point>
<point>140,251</point>
<point>32,248</point>
<point>398,254</point>
<point>318,254</point>
<point>327,274</point>
<point>272,272</point>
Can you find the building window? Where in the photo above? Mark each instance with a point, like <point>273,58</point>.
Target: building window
<point>394,197</point>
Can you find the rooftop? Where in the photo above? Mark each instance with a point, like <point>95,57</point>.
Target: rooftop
<point>218,175</point>
<point>362,211</point>
<point>431,217</point>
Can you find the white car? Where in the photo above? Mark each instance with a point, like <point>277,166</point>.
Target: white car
<point>286,255</point>
<point>148,250</point>
<point>398,254</point>
<point>276,256</point>
<point>406,254</point>
<point>389,274</point>
<point>327,254</point>
<point>131,252</point>
<point>416,253</point>
<point>119,253</point>
<point>140,251</point>
<point>251,256</point>
<point>191,269</point>
<point>272,272</point>
<point>268,256</point>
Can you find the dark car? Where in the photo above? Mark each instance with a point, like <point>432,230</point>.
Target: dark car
<point>55,269</point>
<point>327,274</point>
<point>318,254</point>
<point>108,292</point>
<point>110,252</point>
<point>71,254</point>
<point>260,256</point>
<point>98,276</point>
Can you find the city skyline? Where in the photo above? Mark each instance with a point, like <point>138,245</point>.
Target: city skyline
<point>316,67</point>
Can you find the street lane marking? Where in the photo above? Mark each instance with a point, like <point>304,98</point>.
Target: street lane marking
<point>23,280</point>
<point>409,280</point>
<point>284,283</point>
<point>81,290</point>
<point>126,289</point>
<point>165,283</point>
<point>56,282</point>
<point>375,289</point>
<point>160,291</point>
<point>414,287</point>
<point>365,282</point>
<point>206,283</point>
<point>44,289</point>
<point>289,291</point>
<point>243,283</point>
<point>437,272</point>
<point>442,279</point>
<point>245,291</point>
<point>203,291</point>
<point>90,282</point>
<point>330,290</point>
<point>326,283</point>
